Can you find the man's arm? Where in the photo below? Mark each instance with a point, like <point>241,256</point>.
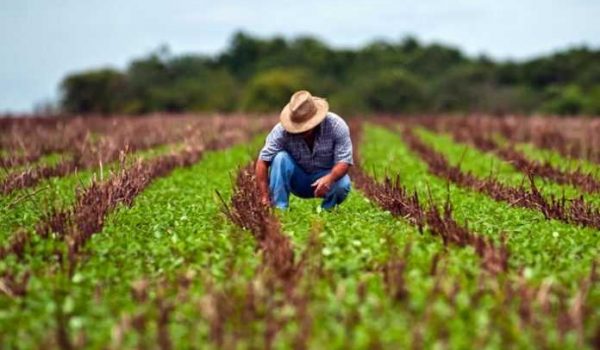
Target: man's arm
<point>323,184</point>
<point>273,145</point>
<point>262,174</point>
<point>342,155</point>
<point>339,170</point>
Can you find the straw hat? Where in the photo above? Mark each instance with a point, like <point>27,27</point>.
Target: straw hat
<point>303,112</point>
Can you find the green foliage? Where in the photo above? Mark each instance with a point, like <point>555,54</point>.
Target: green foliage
<point>173,267</point>
<point>392,90</point>
<point>383,76</point>
<point>571,100</point>
<point>272,89</point>
<point>195,94</point>
<point>541,245</point>
<point>593,101</point>
<point>576,66</point>
<point>348,102</point>
<point>161,83</point>
<point>559,161</point>
<point>97,91</point>
<point>174,226</point>
<point>483,164</point>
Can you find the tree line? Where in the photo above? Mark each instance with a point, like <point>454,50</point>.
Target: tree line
<point>258,75</point>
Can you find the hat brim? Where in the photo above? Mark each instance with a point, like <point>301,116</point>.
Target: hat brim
<point>296,128</point>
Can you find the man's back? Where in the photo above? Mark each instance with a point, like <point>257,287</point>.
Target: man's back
<point>332,144</point>
<point>307,154</point>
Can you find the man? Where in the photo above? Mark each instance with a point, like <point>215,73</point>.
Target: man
<point>309,153</point>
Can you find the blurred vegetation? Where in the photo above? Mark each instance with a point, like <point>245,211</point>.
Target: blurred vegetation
<point>259,75</point>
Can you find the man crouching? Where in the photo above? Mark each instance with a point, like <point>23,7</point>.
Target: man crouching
<point>309,153</point>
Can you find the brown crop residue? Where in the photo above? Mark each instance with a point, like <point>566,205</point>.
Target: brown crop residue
<point>392,196</point>
<point>93,203</point>
<point>576,211</point>
<point>248,212</point>
<point>89,143</point>
<point>283,277</point>
<point>86,217</point>
<point>479,133</point>
<point>575,137</point>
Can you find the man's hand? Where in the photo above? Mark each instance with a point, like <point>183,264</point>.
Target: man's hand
<point>322,185</point>
<point>265,200</point>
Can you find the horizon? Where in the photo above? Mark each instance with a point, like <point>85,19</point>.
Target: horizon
<point>108,37</point>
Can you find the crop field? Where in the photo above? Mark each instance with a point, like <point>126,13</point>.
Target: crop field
<point>148,233</point>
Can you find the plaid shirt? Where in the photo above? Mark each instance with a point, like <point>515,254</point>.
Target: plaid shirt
<point>332,145</point>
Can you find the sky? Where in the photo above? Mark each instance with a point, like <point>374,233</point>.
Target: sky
<point>41,41</point>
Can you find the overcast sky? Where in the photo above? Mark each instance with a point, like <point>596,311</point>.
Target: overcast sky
<point>42,40</point>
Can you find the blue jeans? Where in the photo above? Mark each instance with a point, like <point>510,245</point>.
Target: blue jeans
<point>287,177</point>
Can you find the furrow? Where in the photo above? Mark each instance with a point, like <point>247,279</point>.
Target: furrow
<point>395,198</point>
<point>576,211</point>
<point>248,212</point>
<point>87,154</point>
<point>470,132</point>
<point>58,218</point>
<point>537,303</point>
<point>76,225</point>
<point>172,232</point>
<point>280,270</point>
<point>571,137</point>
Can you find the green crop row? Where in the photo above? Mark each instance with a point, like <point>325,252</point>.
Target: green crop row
<point>19,211</point>
<point>484,164</point>
<point>559,161</point>
<point>350,306</point>
<point>47,160</point>
<point>358,238</point>
<point>545,248</point>
<point>22,209</point>
<point>128,272</point>
<point>174,225</point>
<point>543,251</point>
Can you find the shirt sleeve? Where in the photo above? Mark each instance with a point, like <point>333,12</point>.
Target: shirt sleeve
<point>273,145</point>
<point>343,145</point>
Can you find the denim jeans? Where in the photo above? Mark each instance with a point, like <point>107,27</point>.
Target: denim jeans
<point>287,177</point>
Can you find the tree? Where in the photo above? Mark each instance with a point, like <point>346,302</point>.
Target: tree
<point>246,53</point>
<point>271,90</point>
<point>392,90</point>
<point>98,91</point>
<point>147,78</point>
<point>461,88</point>
<point>257,74</point>
<point>567,100</point>
<point>433,60</point>
<point>211,90</point>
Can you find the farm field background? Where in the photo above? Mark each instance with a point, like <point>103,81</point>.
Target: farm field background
<point>460,232</point>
